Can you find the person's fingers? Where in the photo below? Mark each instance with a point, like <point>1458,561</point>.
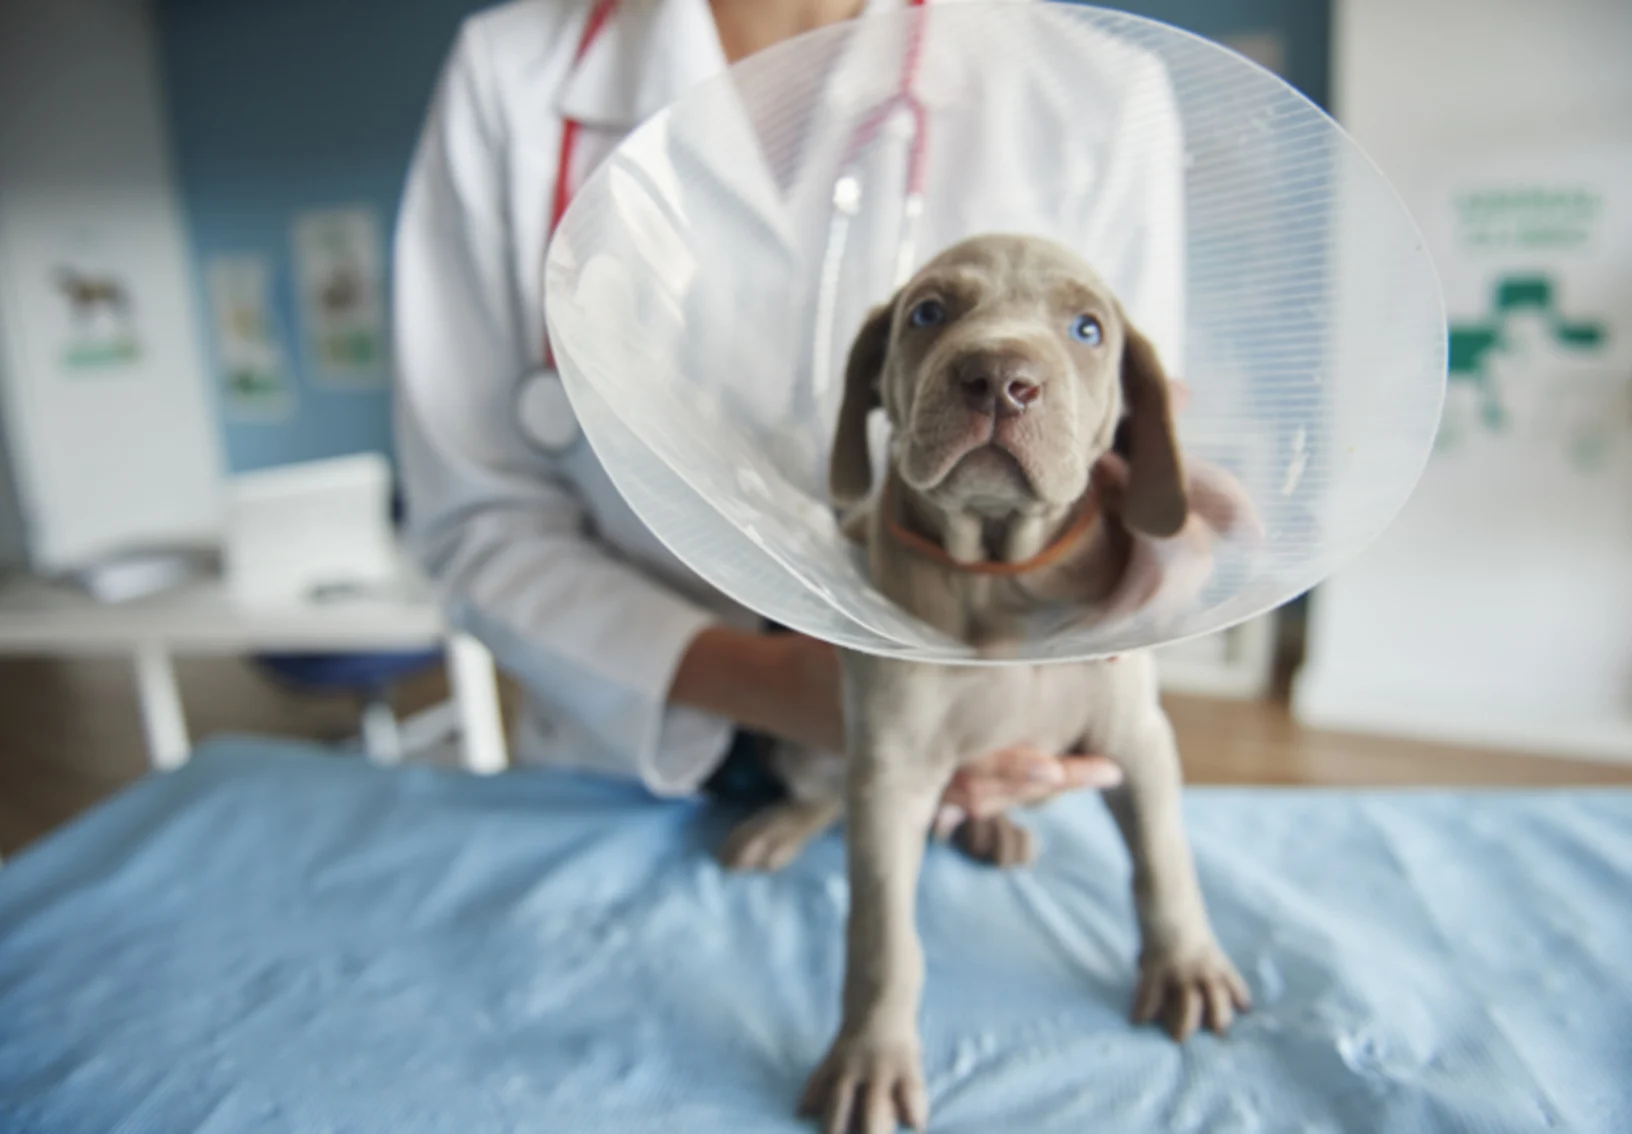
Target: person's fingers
<point>957,791</point>
<point>1020,763</point>
<point>1044,772</point>
<point>981,797</point>
<point>1178,394</point>
<point>982,802</point>
<point>1223,502</point>
<point>1099,772</point>
<point>1023,778</point>
<point>1030,795</point>
<point>1077,773</point>
<point>1006,778</point>
<point>948,819</point>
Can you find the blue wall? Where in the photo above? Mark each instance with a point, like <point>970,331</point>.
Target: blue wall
<point>1304,25</point>
<point>278,106</point>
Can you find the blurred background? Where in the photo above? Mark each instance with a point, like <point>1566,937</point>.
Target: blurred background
<point>196,204</point>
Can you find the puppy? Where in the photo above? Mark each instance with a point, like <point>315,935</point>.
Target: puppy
<point>1032,445</point>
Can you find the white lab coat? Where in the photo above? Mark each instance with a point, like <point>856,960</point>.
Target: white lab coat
<point>533,548</point>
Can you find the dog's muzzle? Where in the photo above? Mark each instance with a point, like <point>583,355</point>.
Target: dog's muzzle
<point>998,383</point>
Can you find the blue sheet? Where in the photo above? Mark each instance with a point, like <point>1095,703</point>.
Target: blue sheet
<point>280,939</point>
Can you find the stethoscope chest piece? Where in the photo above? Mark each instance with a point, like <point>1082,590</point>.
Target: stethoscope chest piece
<point>544,414</point>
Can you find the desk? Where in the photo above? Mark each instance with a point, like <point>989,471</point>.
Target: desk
<point>38,616</point>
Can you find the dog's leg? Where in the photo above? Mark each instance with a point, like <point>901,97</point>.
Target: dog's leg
<point>772,838</point>
<point>1185,979</point>
<point>873,1072</point>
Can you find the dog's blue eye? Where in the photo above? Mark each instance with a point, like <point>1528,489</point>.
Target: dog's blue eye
<point>929,313</point>
<point>1087,330</point>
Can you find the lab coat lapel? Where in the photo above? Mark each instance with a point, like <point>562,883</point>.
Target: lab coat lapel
<point>649,53</point>
<point>652,52</point>
<point>732,129</point>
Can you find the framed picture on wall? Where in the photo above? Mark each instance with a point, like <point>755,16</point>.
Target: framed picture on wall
<point>340,279</point>
<point>251,362</point>
<point>96,317</point>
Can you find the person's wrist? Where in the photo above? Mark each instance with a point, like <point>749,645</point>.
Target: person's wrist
<point>799,678</point>
<point>782,684</point>
<point>712,672</point>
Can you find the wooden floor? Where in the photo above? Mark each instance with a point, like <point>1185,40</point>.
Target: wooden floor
<point>1229,742</point>
<point>70,735</point>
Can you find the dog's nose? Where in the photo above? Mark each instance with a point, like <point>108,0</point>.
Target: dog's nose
<point>1000,384</point>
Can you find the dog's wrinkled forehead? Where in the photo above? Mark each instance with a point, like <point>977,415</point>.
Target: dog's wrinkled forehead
<point>1016,269</point>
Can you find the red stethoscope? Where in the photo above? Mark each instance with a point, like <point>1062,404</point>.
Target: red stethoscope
<point>846,191</point>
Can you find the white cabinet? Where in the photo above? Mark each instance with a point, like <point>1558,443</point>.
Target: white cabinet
<point>110,433</point>
<point>1498,608</point>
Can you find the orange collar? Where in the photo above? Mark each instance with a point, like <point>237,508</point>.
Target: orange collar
<point>1088,512</point>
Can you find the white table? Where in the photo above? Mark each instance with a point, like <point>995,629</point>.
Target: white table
<point>46,618</point>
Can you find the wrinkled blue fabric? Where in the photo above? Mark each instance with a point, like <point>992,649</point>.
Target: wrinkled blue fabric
<point>276,938</point>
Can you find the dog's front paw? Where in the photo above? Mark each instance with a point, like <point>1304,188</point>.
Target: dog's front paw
<point>1188,987</point>
<point>869,1083</point>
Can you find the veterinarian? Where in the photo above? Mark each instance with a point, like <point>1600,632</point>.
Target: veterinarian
<point>632,665</point>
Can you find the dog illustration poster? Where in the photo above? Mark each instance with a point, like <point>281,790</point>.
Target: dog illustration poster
<point>340,273</point>
<point>1533,249</point>
<point>100,330</point>
<point>253,370</point>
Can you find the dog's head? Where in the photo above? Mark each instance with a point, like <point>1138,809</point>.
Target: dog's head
<point>1007,370</point>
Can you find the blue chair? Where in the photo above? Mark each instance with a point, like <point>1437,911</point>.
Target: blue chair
<point>370,677</point>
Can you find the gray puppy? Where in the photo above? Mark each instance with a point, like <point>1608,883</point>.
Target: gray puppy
<point>1013,383</point>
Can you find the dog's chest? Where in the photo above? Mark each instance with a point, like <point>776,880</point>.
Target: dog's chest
<point>1054,707</point>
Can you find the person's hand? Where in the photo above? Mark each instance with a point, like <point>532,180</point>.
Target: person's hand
<point>1021,776</point>
<point>788,685</point>
<point>1164,575</point>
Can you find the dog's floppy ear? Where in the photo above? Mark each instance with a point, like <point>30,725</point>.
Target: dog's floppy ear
<point>1155,503</point>
<point>850,467</point>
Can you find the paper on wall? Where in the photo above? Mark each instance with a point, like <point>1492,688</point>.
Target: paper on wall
<point>253,371</point>
<point>95,315</point>
<point>1495,611</point>
<point>1534,245</point>
<point>340,272</point>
